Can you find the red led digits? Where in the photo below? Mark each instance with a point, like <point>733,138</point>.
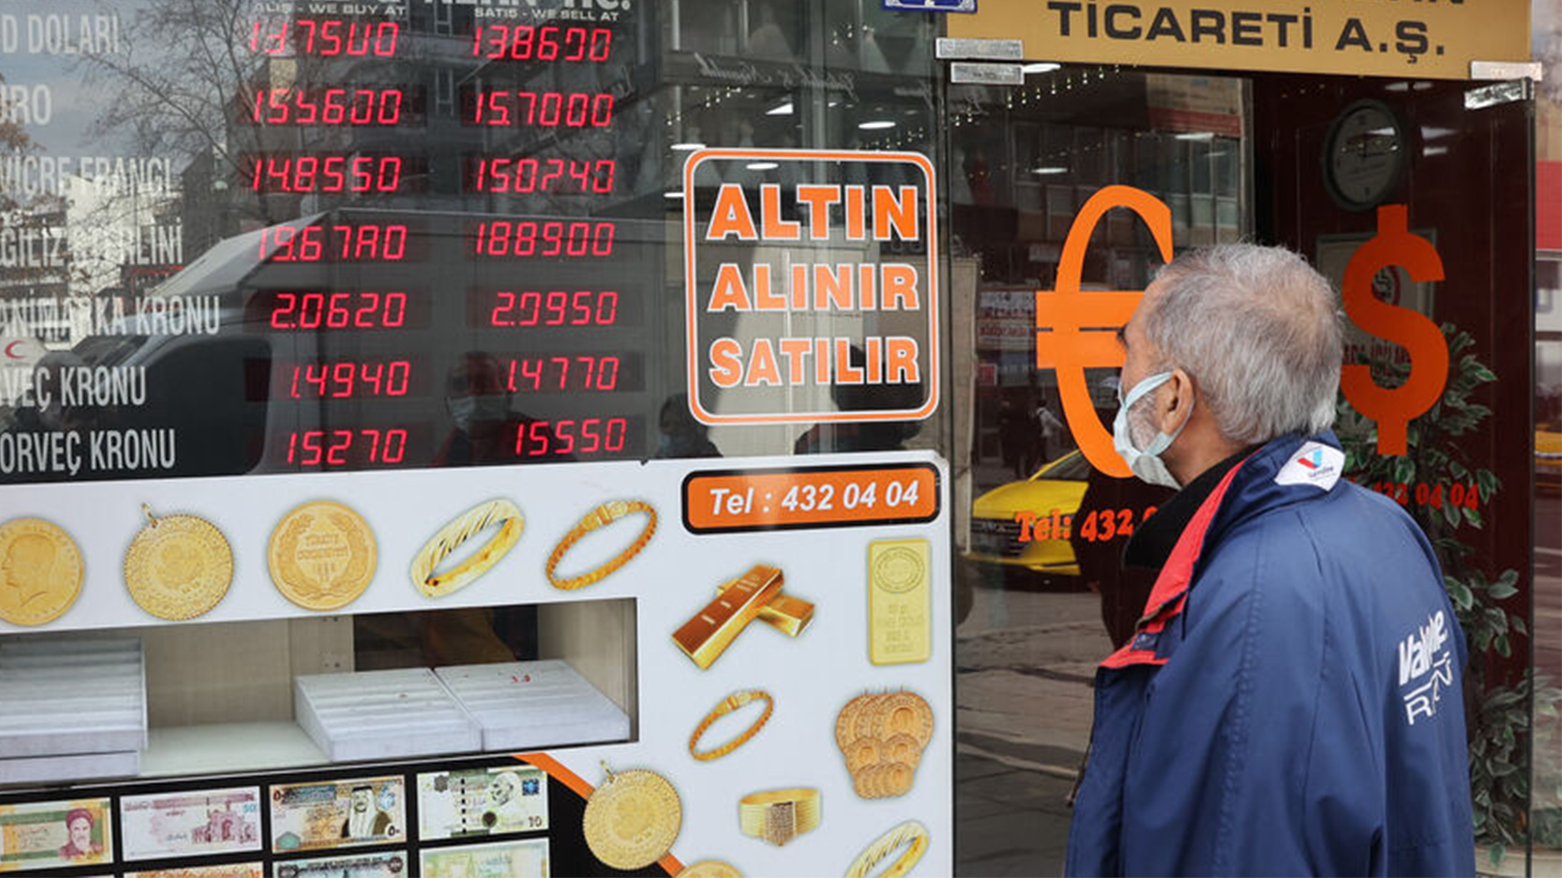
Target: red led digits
<point>338,310</point>
<point>346,379</point>
<point>554,308</point>
<point>325,37</point>
<point>530,238</point>
<point>543,109</point>
<point>327,106</point>
<point>356,174</point>
<point>559,438</point>
<point>550,42</point>
<point>563,374</point>
<point>507,176</point>
<point>329,448</point>
<point>364,242</point>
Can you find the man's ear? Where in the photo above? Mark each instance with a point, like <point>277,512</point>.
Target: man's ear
<point>1175,402</point>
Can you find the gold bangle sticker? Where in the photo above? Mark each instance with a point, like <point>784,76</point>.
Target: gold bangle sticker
<point>425,574</point>
<point>778,816</point>
<point>910,838</point>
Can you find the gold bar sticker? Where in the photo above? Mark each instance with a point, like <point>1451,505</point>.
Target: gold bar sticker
<point>706,636</point>
<point>787,614</point>
<point>900,613</point>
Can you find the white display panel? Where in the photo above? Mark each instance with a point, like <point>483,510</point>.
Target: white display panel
<point>807,677</point>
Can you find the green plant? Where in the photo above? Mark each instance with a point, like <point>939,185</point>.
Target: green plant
<point>1444,490</point>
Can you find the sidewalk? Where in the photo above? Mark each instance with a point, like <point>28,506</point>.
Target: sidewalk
<point>1025,662</point>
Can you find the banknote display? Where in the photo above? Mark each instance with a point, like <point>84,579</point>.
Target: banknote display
<point>190,822</point>
<point>389,864</point>
<point>506,859</point>
<point>227,870</point>
<point>338,813</point>
<point>477,802</point>
<point>39,835</point>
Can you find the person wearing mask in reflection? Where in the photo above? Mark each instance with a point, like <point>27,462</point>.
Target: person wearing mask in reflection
<point>1290,701</point>
<point>680,434</point>
<point>477,399</point>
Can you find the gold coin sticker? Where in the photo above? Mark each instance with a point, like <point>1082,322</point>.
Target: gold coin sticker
<point>632,819</point>
<point>846,722</point>
<point>710,869</point>
<point>322,555</point>
<point>40,571</point>
<point>178,566</point>
<point>906,713</point>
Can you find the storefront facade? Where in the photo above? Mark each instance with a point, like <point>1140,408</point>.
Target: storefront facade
<point>367,366</point>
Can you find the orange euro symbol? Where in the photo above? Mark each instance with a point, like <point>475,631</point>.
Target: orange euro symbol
<point>1077,329</point>
<point>1394,407</point>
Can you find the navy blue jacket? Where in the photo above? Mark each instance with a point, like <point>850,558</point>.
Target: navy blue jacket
<point>1290,703</point>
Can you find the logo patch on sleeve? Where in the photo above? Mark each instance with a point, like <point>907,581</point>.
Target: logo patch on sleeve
<point>1313,464</point>
<point>1423,654</point>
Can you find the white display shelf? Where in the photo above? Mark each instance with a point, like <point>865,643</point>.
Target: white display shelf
<point>70,698</point>
<point>383,715</point>
<point>525,705</point>
<point>82,766</point>
<point>228,748</point>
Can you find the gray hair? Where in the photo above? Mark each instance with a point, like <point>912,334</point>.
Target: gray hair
<point>1259,330</point>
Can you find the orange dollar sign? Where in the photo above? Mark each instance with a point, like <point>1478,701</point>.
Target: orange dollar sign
<point>1393,408</point>
<point>1077,330</point>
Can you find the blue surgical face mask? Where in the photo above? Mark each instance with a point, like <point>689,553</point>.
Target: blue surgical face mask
<point>1145,463</point>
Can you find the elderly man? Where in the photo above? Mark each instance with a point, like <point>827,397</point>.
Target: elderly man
<point>1290,701</point>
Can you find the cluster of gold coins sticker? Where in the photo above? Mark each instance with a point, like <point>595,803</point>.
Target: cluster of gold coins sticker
<point>882,737</point>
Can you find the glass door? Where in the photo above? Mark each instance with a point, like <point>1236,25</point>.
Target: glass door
<point>1317,164</point>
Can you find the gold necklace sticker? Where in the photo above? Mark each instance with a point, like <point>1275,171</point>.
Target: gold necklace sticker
<point>633,818</point>
<point>178,566</point>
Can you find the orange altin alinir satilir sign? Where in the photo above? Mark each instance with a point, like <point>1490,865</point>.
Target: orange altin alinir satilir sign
<point>1077,329</point>
<point>811,286</point>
